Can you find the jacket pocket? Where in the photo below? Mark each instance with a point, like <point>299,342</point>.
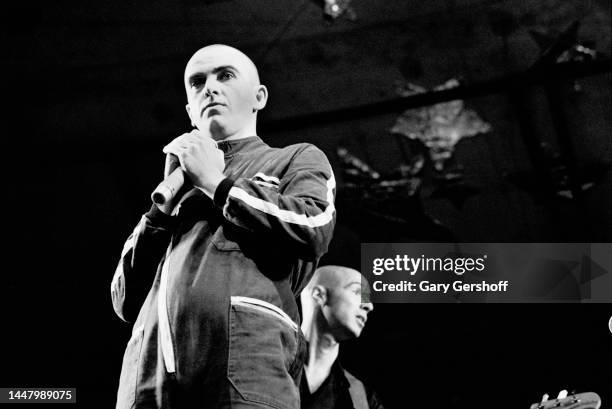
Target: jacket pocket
<point>263,347</point>
<point>129,370</point>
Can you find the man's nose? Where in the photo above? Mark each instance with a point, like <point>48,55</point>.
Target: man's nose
<point>211,88</point>
<point>367,306</point>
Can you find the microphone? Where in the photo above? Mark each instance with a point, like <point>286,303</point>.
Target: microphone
<point>168,188</point>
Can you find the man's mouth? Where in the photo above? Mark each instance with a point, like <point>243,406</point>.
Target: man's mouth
<point>211,105</point>
<point>361,320</point>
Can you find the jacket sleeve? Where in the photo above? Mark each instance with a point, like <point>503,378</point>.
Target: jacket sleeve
<point>140,258</point>
<point>298,208</point>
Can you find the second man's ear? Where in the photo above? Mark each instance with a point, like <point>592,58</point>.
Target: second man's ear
<point>319,294</point>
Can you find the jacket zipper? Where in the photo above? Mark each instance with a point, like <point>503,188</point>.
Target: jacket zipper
<point>162,314</point>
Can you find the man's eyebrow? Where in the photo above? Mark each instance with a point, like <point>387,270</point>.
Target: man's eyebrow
<point>197,75</point>
<point>352,283</point>
<point>216,70</point>
<point>223,68</point>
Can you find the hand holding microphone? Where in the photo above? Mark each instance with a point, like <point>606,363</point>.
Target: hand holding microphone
<point>198,158</point>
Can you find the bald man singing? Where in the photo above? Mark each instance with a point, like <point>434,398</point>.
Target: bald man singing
<point>210,278</point>
<point>335,308</point>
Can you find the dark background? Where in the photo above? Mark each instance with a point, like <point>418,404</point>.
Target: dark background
<point>93,91</point>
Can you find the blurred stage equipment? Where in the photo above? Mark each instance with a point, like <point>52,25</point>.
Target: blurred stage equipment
<point>556,169</point>
<point>372,185</point>
<point>386,205</point>
<point>439,127</point>
<point>564,47</point>
<point>354,166</point>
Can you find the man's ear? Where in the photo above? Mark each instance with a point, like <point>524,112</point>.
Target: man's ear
<point>188,109</point>
<point>319,294</point>
<point>261,97</point>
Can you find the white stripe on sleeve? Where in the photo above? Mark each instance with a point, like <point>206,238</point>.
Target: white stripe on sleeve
<point>288,215</point>
<point>266,184</point>
<point>267,178</point>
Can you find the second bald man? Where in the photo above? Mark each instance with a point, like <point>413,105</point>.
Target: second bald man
<point>335,307</point>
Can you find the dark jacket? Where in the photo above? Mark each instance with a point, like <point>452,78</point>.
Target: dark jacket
<point>341,390</point>
<point>217,280</point>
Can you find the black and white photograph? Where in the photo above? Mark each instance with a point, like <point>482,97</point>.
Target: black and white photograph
<point>317,204</point>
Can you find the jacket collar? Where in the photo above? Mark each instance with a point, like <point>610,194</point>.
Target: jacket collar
<point>236,145</point>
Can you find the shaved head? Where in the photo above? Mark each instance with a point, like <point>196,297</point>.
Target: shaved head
<point>214,50</point>
<point>332,277</point>
<point>337,298</point>
<point>224,93</point>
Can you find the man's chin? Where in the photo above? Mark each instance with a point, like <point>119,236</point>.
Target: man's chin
<point>218,131</point>
<point>353,333</point>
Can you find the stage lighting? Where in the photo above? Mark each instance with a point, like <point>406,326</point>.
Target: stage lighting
<point>335,8</point>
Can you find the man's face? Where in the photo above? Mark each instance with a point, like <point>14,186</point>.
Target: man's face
<point>221,86</point>
<point>344,310</point>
